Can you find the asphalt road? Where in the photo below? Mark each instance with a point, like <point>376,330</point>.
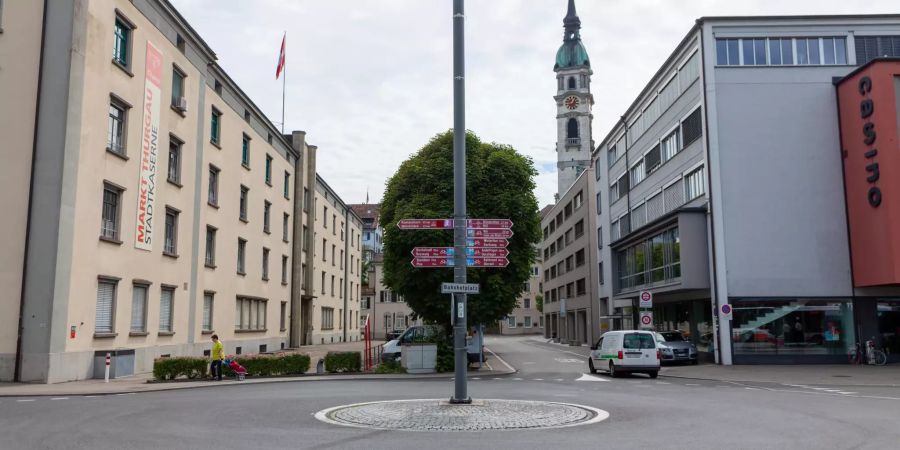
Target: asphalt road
<point>644,413</point>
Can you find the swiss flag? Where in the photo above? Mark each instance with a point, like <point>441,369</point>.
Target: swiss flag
<point>281,58</point>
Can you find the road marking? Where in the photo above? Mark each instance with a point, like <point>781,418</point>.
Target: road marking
<point>586,377</point>
<point>558,379</point>
<point>59,398</point>
<point>497,378</point>
<point>692,384</point>
<point>476,378</point>
<point>511,369</point>
<point>517,379</point>
<point>90,396</point>
<point>25,400</point>
<point>538,379</point>
<point>568,360</point>
<point>662,382</point>
<point>848,393</point>
<point>751,388</point>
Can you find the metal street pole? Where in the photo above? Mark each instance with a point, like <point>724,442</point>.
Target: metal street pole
<point>460,393</point>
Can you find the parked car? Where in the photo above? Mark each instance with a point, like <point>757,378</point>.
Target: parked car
<point>673,347</point>
<point>623,352</point>
<point>393,349</point>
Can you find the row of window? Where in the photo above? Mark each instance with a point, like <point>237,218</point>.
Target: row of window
<point>354,237</point>
<point>652,261</point>
<point>800,51</point>
<point>688,131</point>
<point>680,80</point>
<point>570,290</point>
<point>250,313</point>
<point>571,84</point>
<point>528,322</point>
<point>395,321</point>
<point>574,205</point>
<point>683,189</point>
<point>567,238</point>
<point>561,268</point>
<point>354,263</point>
<point>340,282</point>
<point>328,319</point>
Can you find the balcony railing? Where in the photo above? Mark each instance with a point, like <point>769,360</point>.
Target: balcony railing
<point>573,141</point>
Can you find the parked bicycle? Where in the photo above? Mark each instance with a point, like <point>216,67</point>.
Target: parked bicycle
<point>869,355</point>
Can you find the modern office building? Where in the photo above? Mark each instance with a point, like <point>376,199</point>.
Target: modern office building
<point>149,202</point>
<point>726,193</point>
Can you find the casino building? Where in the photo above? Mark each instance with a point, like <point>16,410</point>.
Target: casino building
<point>756,170</point>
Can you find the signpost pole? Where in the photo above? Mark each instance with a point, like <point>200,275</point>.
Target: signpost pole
<point>460,393</point>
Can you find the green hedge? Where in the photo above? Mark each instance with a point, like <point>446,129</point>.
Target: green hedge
<point>343,362</point>
<point>256,365</point>
<point>390,366</point>
<point>172,368</point>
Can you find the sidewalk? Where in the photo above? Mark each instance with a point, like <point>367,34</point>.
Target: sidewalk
<point>138,383</point>
<point>317,352</point>
<point>831,375</point>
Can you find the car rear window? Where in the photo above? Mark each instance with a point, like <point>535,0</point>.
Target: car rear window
<point>673,336</point>
<point>638,341</point>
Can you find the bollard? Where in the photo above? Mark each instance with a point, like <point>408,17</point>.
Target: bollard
<point>106,377</point>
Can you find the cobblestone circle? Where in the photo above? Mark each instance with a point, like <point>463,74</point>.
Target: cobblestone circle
<point>482,415</point>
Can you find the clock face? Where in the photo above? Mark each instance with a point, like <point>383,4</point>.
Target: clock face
<point>571,102</point>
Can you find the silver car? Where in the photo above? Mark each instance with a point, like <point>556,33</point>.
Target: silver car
<point>673,347</point>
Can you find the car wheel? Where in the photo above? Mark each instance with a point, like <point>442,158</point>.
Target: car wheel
<point>612,370</point>
<point>653,374</point>
<point>591,365</point>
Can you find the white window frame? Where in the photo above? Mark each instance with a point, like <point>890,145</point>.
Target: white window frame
<point>675,128</point>
<point>631,171</point>
<point>528,323</point>
<point>699,167</point>
<point>510,321</point>
<point>114,282</point>
<point>171,315</point>
<point>207,323</point>
<point>142,326</point>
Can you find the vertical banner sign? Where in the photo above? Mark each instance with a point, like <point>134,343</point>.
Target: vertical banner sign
<point>143,236</point>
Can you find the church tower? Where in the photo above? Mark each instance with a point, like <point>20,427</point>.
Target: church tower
<point>573,104</point>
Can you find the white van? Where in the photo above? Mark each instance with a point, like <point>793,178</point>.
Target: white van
<point>622,352</point>
<point>394,348</point>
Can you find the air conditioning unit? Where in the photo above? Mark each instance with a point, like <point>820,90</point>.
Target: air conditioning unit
<point>182,104</point>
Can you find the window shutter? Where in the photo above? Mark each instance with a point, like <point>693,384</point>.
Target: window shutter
<point>138,302</point>
<point>165,310</point>
<point>106,293</point>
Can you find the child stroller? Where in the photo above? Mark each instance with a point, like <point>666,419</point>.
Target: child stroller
<point>239,371</point>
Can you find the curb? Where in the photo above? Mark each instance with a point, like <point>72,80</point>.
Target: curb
<point>722,380</point>
<point>174,386</point>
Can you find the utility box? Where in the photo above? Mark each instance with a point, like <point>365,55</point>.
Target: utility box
<point>121,363</point>
<point>419,358</point>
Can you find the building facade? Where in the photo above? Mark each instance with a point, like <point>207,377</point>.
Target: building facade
<point>386,311</point>
<point>527,317</point>
<point>724,184</point>
<point>373,233</point>
<point>162,206</point>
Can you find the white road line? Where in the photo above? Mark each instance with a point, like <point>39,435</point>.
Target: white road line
<point>586,377</point>
<point>511,369</point>
<point>497,379</point>
<point>517,379</point>
<point>476,378</point>
<point>692,384</point>
<point>848,393</point>
<point>538,379</point>
<point>751,389</point>
<point>90,396</point>
<point>662,382</point>
<point>558,379</point>
<point>25,400</point>
<point>59,398</point>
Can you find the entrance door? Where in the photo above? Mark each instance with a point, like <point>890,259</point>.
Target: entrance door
<point>306,322</point>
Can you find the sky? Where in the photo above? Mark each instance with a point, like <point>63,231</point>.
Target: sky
<point>370,81</point>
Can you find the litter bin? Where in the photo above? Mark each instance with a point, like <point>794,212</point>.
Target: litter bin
<point>320,366</point>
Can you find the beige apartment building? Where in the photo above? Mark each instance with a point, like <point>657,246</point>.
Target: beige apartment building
<point>150,203</point>
<point>526,318</point>
<point>386,310</point>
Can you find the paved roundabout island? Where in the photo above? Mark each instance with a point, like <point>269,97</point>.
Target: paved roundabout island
<point>480,415</point>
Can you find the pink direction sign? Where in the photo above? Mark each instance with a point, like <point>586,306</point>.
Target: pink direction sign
<point>489,223</point>
<point>496,233</point>
<point>433,252</point>
<point>425,224</point>
<point>486,262</point>
<point>479,242</point>
<point>488,252</point>
<point>432,262</point>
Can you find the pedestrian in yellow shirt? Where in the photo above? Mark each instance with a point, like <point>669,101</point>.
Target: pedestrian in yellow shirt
<point>216,356</point>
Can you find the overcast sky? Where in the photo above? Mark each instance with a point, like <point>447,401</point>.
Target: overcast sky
<point>370,81</point>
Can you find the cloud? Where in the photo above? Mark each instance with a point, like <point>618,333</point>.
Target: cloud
<point>371,81</point>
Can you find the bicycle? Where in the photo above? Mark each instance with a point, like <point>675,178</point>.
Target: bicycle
<point>870,355</point>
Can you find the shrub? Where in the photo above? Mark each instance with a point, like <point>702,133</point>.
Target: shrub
<point>172,368</point>
<point>256,365</point>
<point>446,361</point>
<point>390,366</point>
<point>343,362</point>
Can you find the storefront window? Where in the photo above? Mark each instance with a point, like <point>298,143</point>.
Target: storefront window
<point>889,325</point>
<point>692,318</point>
<point>792,327</point>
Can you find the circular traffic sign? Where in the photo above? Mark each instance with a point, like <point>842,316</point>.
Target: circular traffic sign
<point>645,296</point>
<point>646,320</point>
<point>726,309</point>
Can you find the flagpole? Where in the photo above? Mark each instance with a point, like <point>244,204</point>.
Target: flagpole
<point>283,82</point>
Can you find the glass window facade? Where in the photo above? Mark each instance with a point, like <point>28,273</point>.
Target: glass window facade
<point>889,325</point>
<point>656,260</point>
<point>783,51</point>
<point>793,327</point>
